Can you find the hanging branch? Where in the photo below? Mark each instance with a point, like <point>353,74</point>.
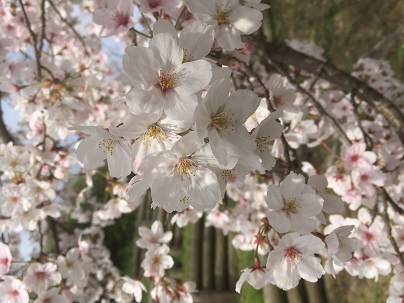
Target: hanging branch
<point>316,103</point>
<point>34,39</point>
<point>286,55</point>
<point>390,234</point>
<point>70,25</point>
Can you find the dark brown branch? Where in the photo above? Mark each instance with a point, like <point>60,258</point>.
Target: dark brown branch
<point>393,204</point>
<point>390,234</point>
<point>34,39</point>
<point>286,55</point>
<point>4,133</point>
<point>317,104</point>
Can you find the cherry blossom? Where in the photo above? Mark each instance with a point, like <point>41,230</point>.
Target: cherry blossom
<point>153,236</point>
<point>116,17</point>
<point>293,259</point>
<point>162,78</point>
<point>41,276</point>
<point>12,290</point>
<point>157,261</point>
<point>293,204</point>
<point>221,118</point>
<point>229,20</point>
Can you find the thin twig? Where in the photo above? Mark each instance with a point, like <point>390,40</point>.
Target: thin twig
<point>393,204</point>
<point>390,234</point>
<point>286,55</point>
<point>367,138</point>
<point>316,103</point>
<point>34,39</point>
<point>140,33</point>
<point>147,24</point>
<point>70,26</point>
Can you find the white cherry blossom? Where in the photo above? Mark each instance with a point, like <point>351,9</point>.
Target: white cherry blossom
<point>229,20</point>
<point>221,118</point>
<point>162,81</point>
<point>101,145</point>
<point>293,204</point>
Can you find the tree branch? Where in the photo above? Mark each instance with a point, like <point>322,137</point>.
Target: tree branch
<point>4,133</point>
<point>286,55</point>
<point>70,26</point>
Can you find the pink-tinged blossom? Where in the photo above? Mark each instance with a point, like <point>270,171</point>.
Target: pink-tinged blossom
<point>340,247</point>
<point>356,156</point>
<point>365,179</point>
<point>181,219</point>
<point>5,259</point>
<point>101,145</point>
<point>52,296</point>
<point>154,236</point>
<point>41,276</point>
<point>229,19</point>
<point>281,94</point>
<point>372,237</point>
<point>293,205</point>
<point>167,6</point>
<point>293,259</point>
<point>134,288</point>
<point>156,261</point>
<point>12,290</point>
<point>221,118</point>
<point>257,276</point>
<point>162,81</point>
<point>116,17</point>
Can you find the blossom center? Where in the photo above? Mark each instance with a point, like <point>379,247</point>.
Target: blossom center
<point>4,261</point>
<point>167,80</point>
<point>14,293</point>
<point>290,206</point>
<point>230,175</point>
<point>224,121</point>
<point>108,144</point>
<point>354,158</point>
<point>40,275</point>
<point>154,132</point>
<point>185,167</point>
<point>155,260</point>
<point>292,254</point>
<point>222,15</point>
<point>262,143</point>
<point>154,3</point>
<point>121,19</point>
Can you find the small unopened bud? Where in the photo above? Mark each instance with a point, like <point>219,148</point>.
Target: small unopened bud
<point>231,63</point>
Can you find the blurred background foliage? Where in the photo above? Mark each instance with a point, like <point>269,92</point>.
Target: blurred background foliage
<point>346,29</point>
